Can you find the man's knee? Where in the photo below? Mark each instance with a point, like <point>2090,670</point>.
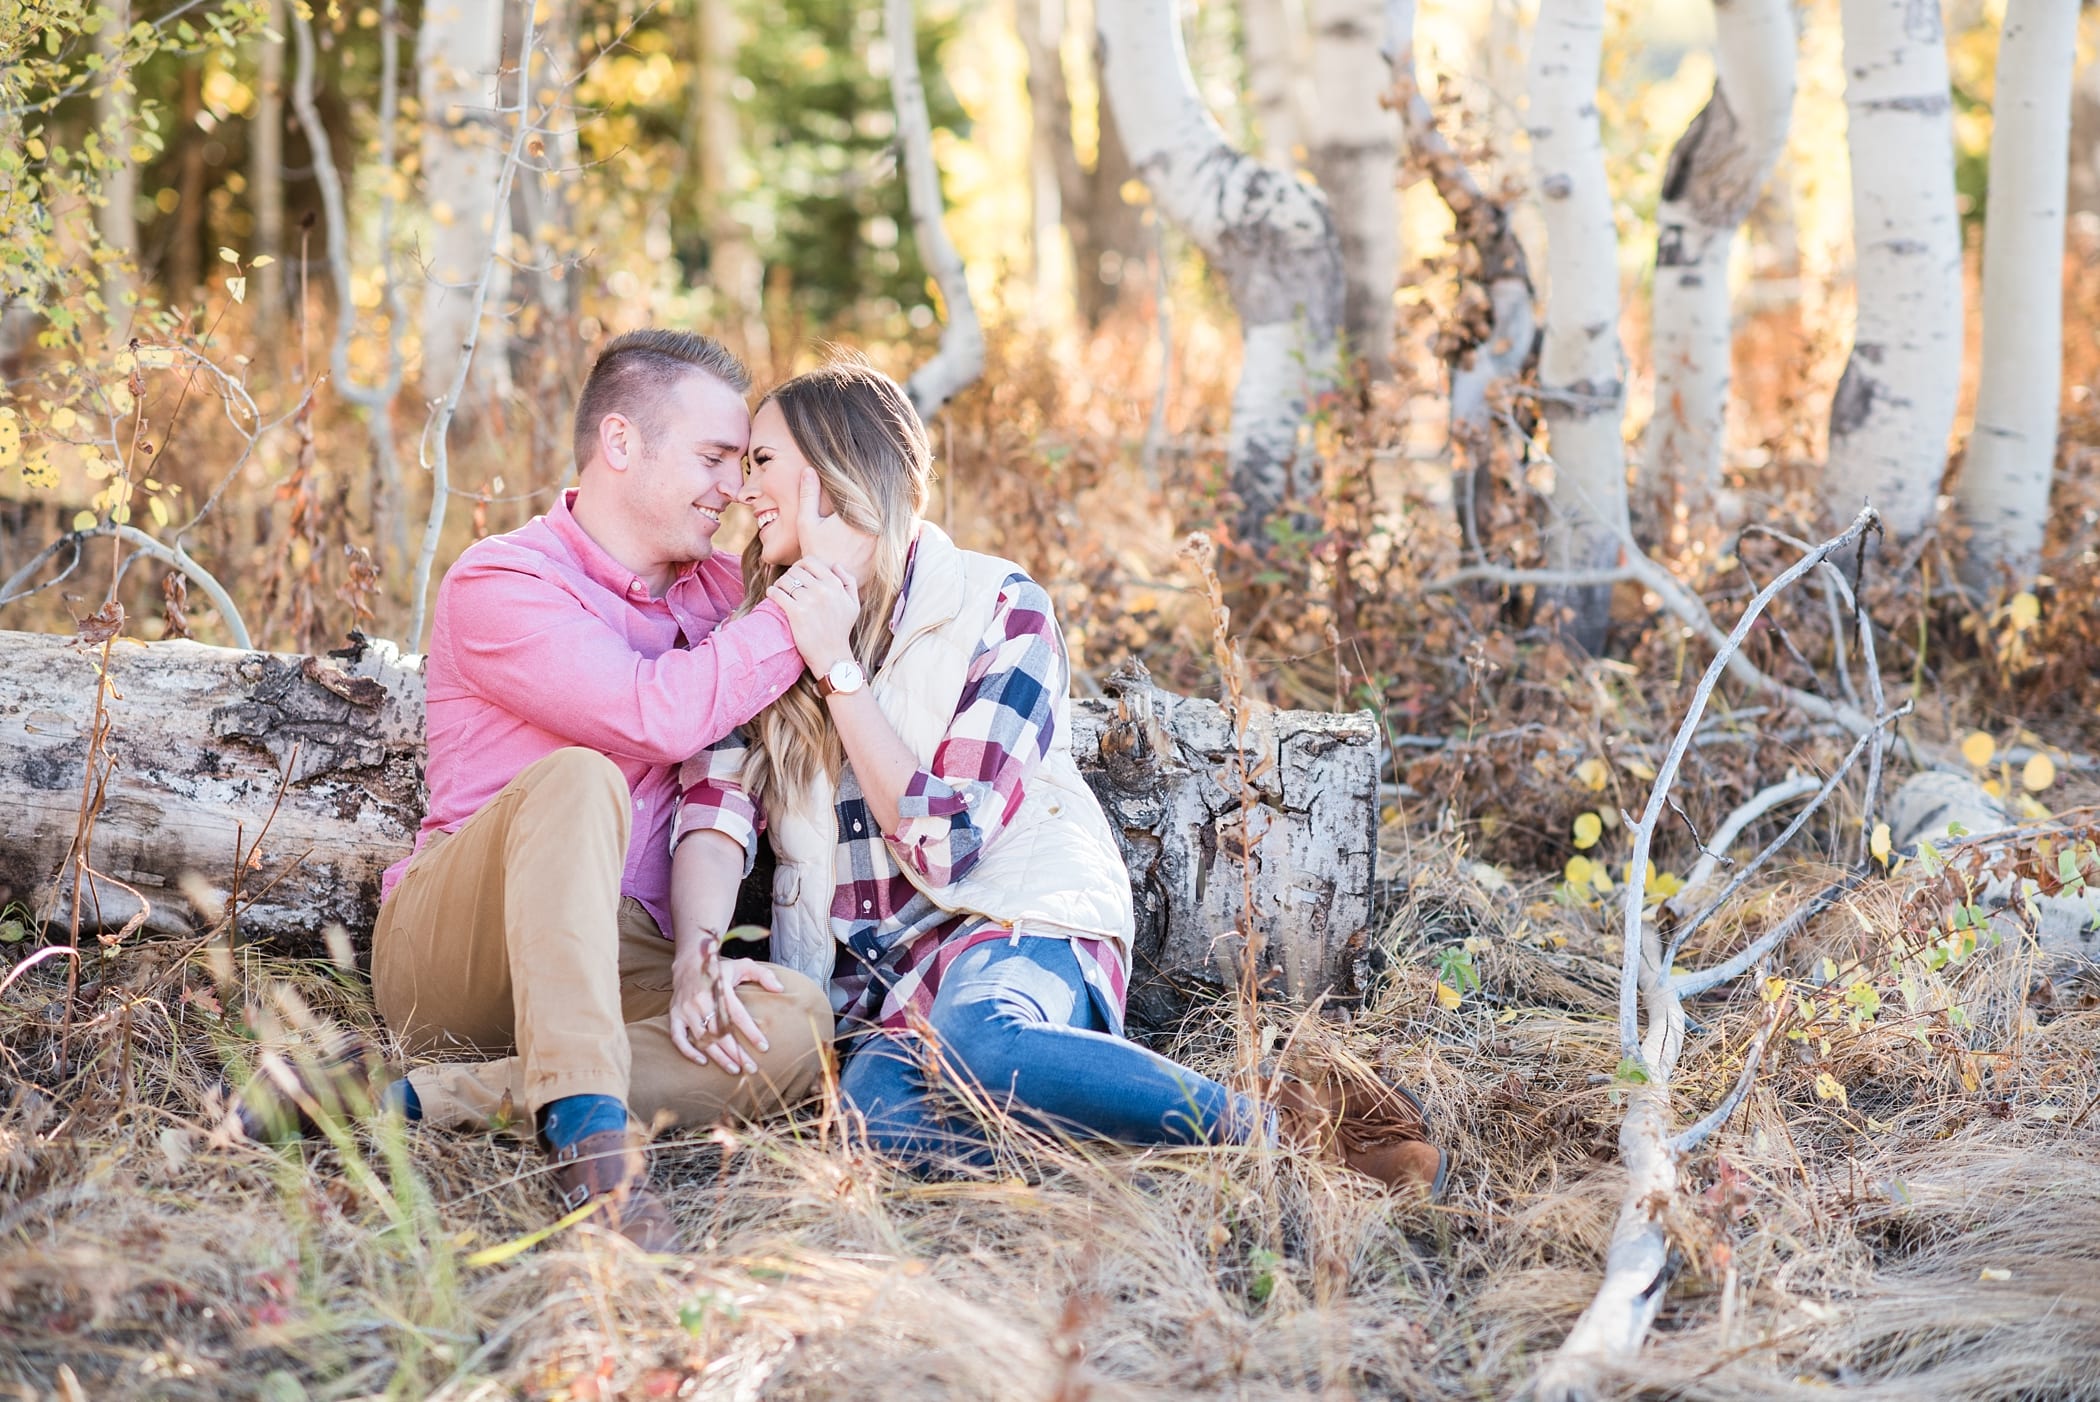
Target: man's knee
<point>584,787</point>
<point>575,773</point>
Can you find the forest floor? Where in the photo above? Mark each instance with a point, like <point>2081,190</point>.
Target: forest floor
<point>1902,1207</point>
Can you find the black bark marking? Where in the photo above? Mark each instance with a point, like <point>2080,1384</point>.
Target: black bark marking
<point>1853,403</point>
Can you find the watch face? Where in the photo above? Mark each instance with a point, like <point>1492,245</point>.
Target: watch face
<point>845,676</point>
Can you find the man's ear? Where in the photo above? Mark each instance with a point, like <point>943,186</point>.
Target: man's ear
<point>619,441</point>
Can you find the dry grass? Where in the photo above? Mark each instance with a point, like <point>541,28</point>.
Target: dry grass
<point>1835,1244</point>
<point>1829,1243</point>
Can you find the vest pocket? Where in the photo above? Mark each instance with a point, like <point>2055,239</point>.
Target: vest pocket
<point>787,884</point>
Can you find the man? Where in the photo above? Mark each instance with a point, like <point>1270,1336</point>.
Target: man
<point>573,664</point>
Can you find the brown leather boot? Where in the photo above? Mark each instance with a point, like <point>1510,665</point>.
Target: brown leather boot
<point>287,1098</point>
<point>1378,1130</point>
<point>614,1165</point>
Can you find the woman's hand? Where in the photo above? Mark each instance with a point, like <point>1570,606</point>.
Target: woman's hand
<point>822,604</point>
<point>828,539</point>
<point>709,1022</point>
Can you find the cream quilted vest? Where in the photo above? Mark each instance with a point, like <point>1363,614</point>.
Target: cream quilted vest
<point>1054,870</point>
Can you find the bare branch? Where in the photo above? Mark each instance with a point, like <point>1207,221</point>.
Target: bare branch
<point>1697,1134</point>
<point>1715,848</point>
<point>1644,831</point>
<point>1693,984</point>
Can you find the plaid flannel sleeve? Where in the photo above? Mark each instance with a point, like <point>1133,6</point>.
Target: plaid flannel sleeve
<point>951,811</point>
<point>711,797</point>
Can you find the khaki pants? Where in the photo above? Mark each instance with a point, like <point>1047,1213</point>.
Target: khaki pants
<point>508,941</point>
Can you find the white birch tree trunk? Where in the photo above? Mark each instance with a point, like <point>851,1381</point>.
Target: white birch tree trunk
<point>266,184</point>
<point>1352,144</point>
<point>1895,403</point>
<point>736,273</point>
<point>2003,493</point>
<point>1269,35</point>
<point>459,52</point>
<point>1716,172</point>
<point>116,218</point>
<point>960,361</point>
<point>1053,163</point>
<point>1580,375</point>
<point>2085,142</point>
<point>1265,230</point>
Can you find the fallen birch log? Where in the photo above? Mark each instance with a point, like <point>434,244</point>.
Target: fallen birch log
<point>317,764</point>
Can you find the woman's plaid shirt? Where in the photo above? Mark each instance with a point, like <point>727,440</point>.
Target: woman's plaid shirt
<point>896,940</point>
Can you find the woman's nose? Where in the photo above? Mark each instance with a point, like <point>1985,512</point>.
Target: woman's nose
<point>747,491</point>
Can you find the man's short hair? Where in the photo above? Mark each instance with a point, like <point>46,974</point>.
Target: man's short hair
<point>634,370</point>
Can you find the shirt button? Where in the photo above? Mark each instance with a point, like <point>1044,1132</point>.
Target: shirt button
<point>867,905</point>
<point>856,827</point>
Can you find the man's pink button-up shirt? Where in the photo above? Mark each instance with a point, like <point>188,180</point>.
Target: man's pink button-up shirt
<point>541,640</point>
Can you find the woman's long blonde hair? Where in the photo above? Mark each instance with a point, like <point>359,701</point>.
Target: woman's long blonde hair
<point>859,431</point>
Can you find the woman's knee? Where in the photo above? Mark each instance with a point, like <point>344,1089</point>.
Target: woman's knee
<point>797,1023</point>
<point>983,1039</point>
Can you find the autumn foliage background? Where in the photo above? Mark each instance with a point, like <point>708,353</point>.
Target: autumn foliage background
<point>1922,1130</point>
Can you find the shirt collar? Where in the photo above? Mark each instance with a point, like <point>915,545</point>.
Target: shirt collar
<point>601,567</point>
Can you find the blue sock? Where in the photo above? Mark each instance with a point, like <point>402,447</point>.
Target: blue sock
<point>574,1117</point>
<point>402,1096</point>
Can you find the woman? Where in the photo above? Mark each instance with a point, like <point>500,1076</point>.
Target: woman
<point>942,864</point>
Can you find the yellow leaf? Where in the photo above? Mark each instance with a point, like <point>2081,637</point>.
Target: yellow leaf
<point>1977,748</point>
<point>1446,995</point>
<point>1638,769</point>
<point>159,509</point>
<point>35,148</point>
<point>237,288</point>
<point>1666,884</point>
<point>227,255</point>
<point>1880,843</point>
<point>2039,774</point>
<point>1588,828</point>
<point>1827,1088</point>
<point>1134,192</point>
<point>1577,871</point>
<point>63,419</point>
<point>1994,788</point>
<point>84,521</point>
<point>1593,775</point>
<point>155,357</point>
<point>1773,990</point>
<point>1600,876</point>
<point>2025,611</point>
<point>10,438</point>
<point>261,261</point>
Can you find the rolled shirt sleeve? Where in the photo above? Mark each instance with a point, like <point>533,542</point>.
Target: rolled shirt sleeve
<point>712,797</point>
<point>1004,724</point>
